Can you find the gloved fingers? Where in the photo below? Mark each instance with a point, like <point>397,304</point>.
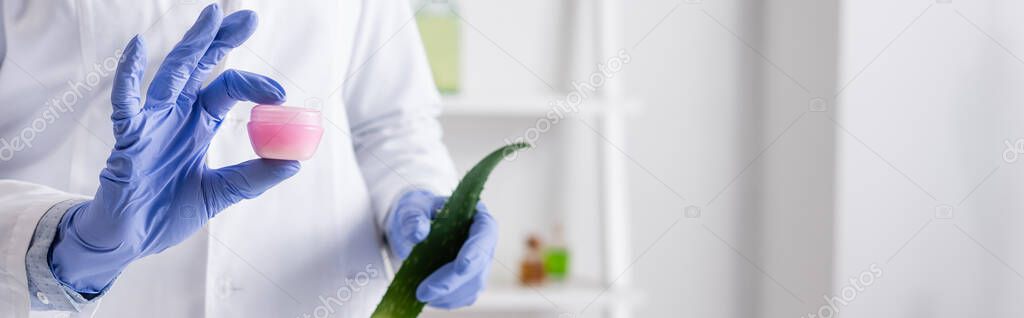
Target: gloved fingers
<point>461,297</point>
<point>437,205</point>
<point>419,215</point>
<point>483,237</point>
<point>410,221</point>
<point>414,227</point>
<point>447,284</point>
<point>473,260</point>
<point>234,30</point>
<point>228,185</point>
<point>233,86</point>
<point>181,61</point>
<point>125,93</point>
<point>476,253</point>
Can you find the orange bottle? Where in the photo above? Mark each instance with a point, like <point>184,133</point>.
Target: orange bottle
<point>532,268</point>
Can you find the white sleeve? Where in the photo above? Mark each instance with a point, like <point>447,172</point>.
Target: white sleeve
<point>392,107</point>
<point>21,207</point>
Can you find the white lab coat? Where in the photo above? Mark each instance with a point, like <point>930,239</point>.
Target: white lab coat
<point>288,253</point>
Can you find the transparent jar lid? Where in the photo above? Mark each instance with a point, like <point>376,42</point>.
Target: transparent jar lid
<point>288,115</point>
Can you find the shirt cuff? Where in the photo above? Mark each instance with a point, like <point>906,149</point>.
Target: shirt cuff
<point>48,293</point>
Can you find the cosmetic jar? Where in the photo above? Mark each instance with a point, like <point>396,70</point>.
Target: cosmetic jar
<point>284,132</point>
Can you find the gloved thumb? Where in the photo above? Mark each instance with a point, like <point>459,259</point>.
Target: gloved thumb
<point>411,220</point>
<point>247,180</point>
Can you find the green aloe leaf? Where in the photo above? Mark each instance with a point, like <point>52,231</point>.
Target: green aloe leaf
<point>448,232</point>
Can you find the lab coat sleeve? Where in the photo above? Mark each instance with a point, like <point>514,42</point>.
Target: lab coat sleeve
<point>392,106</point>
<point>49,293</point>
<point>22,209</point>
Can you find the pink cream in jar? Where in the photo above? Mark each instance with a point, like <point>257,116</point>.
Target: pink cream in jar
<point>283,132</point>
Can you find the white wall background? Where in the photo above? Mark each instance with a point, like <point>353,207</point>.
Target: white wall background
<point>933,93</point>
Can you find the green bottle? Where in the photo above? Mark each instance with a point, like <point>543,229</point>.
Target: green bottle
<point>439,22</point>
<point>556,257</point>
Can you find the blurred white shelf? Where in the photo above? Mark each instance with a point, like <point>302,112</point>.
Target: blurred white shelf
<point>598,22</point>
<point>548,299</point>
<point>531,106</point>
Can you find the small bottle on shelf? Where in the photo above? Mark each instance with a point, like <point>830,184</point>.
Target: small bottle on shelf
<point>439,25</point>
<point>531,271</point>
<point>556,256</point>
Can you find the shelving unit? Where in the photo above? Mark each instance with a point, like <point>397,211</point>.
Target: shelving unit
<point>611,294</point>
<point>517,299</point>
<point>533,106</point>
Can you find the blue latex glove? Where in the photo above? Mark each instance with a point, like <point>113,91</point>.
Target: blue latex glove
<point>457,283</point>
<point>156,189</point>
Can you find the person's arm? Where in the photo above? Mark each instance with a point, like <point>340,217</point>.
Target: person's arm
<point>28,217</point>
<point>48,293</point>
<point>392,107</point>
<point>156,189</point>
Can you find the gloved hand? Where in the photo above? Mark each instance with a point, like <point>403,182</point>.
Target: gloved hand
<point>156,189</point>
<point>455,284</point>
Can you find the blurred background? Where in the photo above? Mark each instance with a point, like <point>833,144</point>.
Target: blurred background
<point>732,158</point>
